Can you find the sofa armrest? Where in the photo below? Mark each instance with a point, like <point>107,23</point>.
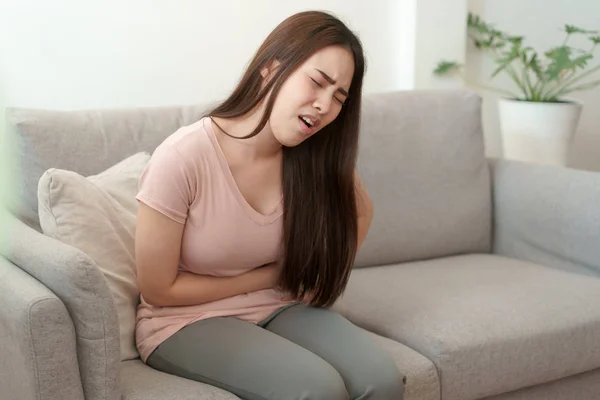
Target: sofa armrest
<point>79,284</point>
<point>548,215</point>
<point>38,351</point>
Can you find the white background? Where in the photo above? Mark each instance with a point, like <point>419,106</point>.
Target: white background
<point>81,54</point>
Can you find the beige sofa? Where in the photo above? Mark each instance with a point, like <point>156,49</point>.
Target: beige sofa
<point>481,277</point>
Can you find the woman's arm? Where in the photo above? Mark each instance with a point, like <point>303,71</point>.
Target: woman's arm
<point>157,251</point>
<point>364,207</point>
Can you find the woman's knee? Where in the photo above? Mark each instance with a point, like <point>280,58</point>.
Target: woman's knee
<point>382,383</point>
<point>321,382</point>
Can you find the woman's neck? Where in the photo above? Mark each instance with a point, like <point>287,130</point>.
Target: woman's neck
<point>262,146</point>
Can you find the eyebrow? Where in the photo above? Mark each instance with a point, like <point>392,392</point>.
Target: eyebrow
<point>333,82</point>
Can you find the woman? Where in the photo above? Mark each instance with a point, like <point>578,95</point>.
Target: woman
<point>248,226</point>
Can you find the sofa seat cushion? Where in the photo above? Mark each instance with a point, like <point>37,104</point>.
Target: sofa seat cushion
<point>490,324</point>
<point>141,382</point>
<point>422,380</point>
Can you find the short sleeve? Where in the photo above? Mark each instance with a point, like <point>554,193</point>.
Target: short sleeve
<point>167,183</point>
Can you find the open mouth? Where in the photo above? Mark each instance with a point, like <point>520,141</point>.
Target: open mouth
<point>306,121</point>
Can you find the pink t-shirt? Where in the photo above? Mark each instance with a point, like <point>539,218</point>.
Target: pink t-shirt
<point>188,180</point>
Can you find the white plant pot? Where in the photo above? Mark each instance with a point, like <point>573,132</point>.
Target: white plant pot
<point>538,132</point>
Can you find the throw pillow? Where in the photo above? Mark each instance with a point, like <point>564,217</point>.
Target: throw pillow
<point>97,214</point>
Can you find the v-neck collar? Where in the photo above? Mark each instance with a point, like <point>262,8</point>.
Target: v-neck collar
<point>262,219</point>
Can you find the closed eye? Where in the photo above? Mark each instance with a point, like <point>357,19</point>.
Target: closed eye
<point>319,85</point>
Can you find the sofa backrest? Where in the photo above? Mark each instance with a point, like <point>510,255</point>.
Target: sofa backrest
<point>421,159</point>
<point>423,163</point>
<point>86,141</point>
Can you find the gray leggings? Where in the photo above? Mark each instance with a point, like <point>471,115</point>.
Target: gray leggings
<point>298,353</point>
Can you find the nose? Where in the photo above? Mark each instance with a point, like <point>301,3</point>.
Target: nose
<point>322,104</point>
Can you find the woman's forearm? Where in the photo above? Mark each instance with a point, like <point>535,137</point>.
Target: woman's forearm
<point>193,289</point>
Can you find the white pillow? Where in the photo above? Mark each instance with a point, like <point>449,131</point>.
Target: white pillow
<point>97,214</point>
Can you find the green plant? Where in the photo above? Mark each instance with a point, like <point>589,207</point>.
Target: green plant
<point>538,78</point>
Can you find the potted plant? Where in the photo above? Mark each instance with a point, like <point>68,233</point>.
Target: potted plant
<point>538,120</point>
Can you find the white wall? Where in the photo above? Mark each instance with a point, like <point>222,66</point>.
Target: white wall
<point>540,22</point>
<point>440,35</point>
<point>82,54</point>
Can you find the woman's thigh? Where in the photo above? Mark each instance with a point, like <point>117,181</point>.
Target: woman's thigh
<point>248,361</point>
<point>367,370</point>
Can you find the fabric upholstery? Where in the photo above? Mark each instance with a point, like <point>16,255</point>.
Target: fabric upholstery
<point>141,382</point>
<point>422,160</point>
<point>84,141</point>
<point>547,215</point>
<point>581,386</point>
<point>490,324</point>
<point>37,351</point>
<point>97,215</point>
<point>422,381</point>
<point>78,282</point>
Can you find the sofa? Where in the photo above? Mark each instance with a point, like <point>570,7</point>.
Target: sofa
<point>479,276</point>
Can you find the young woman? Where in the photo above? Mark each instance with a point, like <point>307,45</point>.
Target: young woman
<point>248,227</point>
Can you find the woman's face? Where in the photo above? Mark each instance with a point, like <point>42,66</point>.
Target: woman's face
<point>313,96</point>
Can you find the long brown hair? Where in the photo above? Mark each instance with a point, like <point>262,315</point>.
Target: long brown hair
<point>320,216</point>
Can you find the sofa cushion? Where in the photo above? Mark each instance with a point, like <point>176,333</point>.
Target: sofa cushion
<point>490,324</point>
<point>83,141</point>
<point>547,214</point>
<point>576,387</point>
<point>422,161</point>
<point>422,380</point>
<point>141,382</point>
<point>97,215</point>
